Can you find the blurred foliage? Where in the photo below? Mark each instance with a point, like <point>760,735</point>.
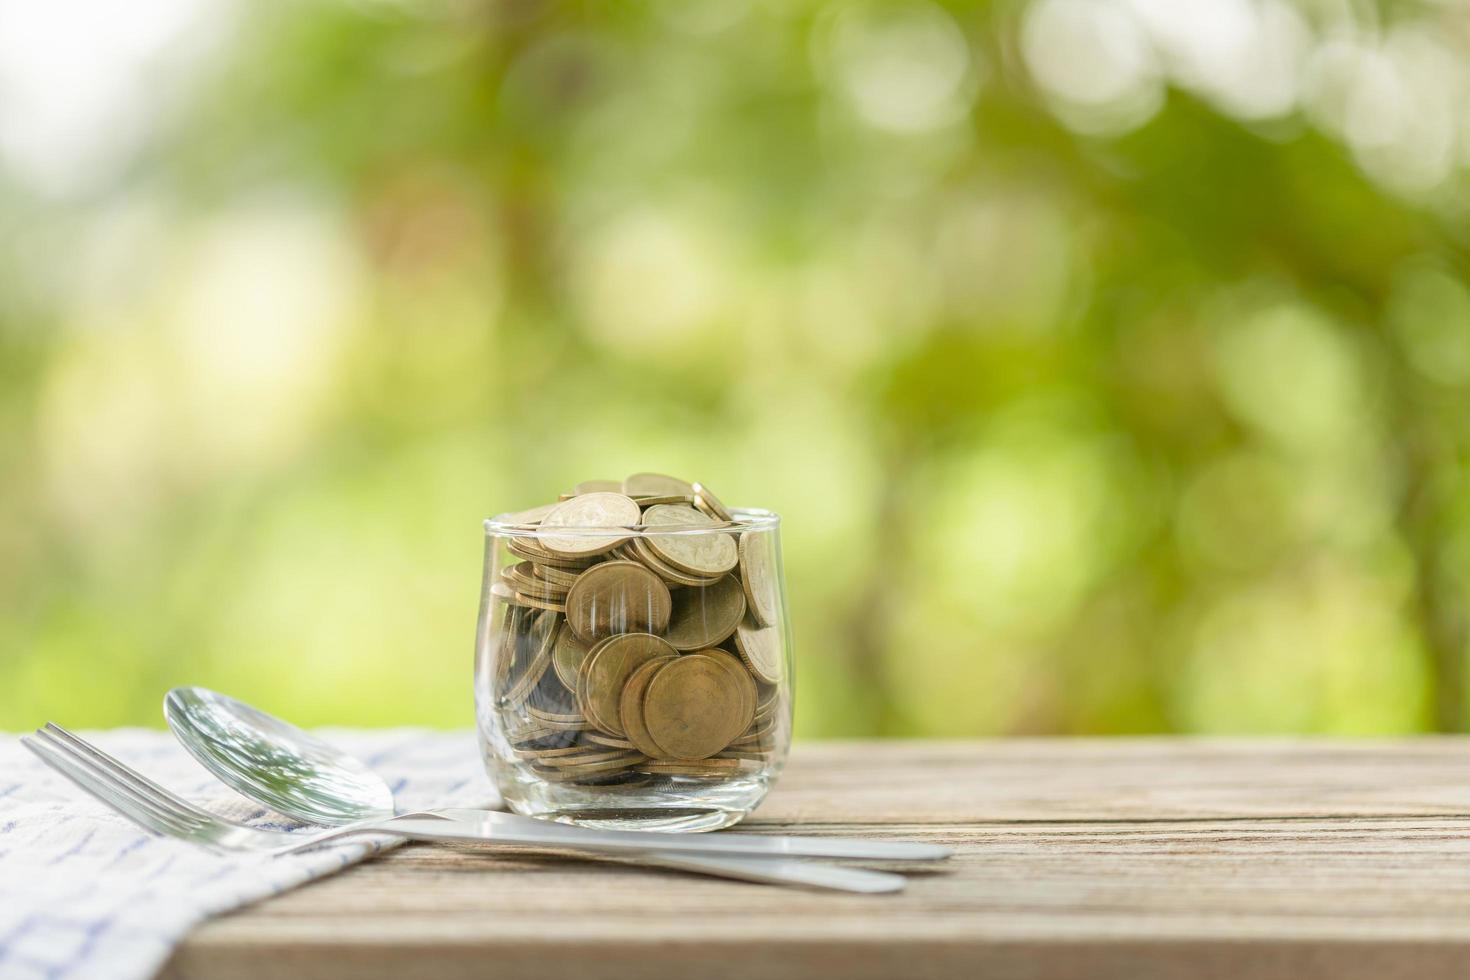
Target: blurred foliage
<point>1109,361</point>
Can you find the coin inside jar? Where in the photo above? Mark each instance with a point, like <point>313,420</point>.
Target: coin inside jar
<point>699,554</point>
<point>591,510</point>
<point>704,617</point>
<point>607,670</point>
<point>759,577</point>
<point>760,648</point>
<point>630,706</point>
<point>632,641</point>
<point>691,709</point>
<point>618,597</point>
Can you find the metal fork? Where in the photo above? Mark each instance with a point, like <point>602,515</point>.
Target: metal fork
<point>154,808</point>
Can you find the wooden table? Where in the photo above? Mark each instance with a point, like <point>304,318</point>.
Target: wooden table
<point>1136,859</point>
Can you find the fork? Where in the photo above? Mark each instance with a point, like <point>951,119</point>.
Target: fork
<point>156,809</point>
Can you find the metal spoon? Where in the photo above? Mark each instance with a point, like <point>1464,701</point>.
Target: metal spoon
<point>275,763</point>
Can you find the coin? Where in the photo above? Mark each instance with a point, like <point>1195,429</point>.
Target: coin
<point>543,632</point>
<point>691,709</point>
<point>568,774</point>
<point>567,656</point>
<point>636,641</point>
<point>521,578</point>
<point>591,510</point>
<point>760,648</point>
<point>606,671</point>
<point>638,550</point>
<point>555,576</point>
<point>666,765</point>
<point>618,597</point>
<point>630,706</point>
<point>605,760</point>
<point>656,485</point>
<point>698,554</point>
<point>502,591</point>
<point>551,605</point>
<point>553,717</point>
<point>742,684</point>
<point>704,617</point>
<point>530,551</point>
<point>759,577</point>
<point>548,753</point>
<point>597,738</point>
<point>710,505</point>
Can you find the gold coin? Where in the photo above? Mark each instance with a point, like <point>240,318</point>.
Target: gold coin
<point>761,651</point>
<point>758,573</point>
<point>556,576</point>
<point>550,605</point>
<point>702,769</point>
<point>759,729</point>
<point>670,498</point>
<point>697,554</point>
<point>710,505</point>
<point>502,591</point>
<point>607,670</point>
<point>597,738</point>
<point>630,706</point>
<point>579,690</point>
<point>618,597</point>
<point>567,657</point>
<point>656,485</point>
<point>639,551</point>
<point>767,696</point>
<point>554,717</point>
<point>521,578</point>
<point>546,753</point>
<point>578,773</point>
<point>705,617</point>
<point>742,684</point>
<point>522,734</point>
<point>543,633</point>
<point>668,764</point>
<point>525,548</point>
<point>587,757</point>
<point>691,708</point>
<point>590,510</point>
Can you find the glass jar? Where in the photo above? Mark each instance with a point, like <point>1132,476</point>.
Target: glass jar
<point>635,677</point>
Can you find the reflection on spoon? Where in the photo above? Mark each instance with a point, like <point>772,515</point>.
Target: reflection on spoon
<point>274,762</point>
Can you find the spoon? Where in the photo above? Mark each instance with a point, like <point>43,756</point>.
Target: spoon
<point>275,763</point>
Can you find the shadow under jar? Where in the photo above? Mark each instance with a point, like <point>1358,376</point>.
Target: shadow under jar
<point>633,660</point>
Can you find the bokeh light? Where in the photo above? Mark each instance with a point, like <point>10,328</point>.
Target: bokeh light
<point>1109,360</point>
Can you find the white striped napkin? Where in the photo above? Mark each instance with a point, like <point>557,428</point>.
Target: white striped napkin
<point>84,893</point>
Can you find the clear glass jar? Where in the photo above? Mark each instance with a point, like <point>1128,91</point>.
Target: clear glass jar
<point>634,677</point>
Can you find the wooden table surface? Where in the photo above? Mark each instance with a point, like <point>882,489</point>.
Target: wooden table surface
<point>1128,858</point>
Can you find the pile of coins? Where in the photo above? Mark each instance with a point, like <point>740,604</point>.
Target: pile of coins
<point>626,656</point>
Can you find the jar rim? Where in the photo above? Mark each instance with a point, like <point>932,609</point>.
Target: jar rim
<point>746,519</point>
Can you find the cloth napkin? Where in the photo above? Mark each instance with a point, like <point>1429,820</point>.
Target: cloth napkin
<point>85,893</point>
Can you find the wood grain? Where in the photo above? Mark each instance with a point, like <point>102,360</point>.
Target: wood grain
<point>1136,858</point>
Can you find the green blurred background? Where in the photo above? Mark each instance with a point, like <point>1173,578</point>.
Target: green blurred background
<point>1109,360</point>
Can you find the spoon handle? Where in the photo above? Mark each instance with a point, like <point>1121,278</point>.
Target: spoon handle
<point>498,823</point>
<point>766,869</point>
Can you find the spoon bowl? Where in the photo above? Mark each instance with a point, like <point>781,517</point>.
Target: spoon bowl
<point>273,762</point>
